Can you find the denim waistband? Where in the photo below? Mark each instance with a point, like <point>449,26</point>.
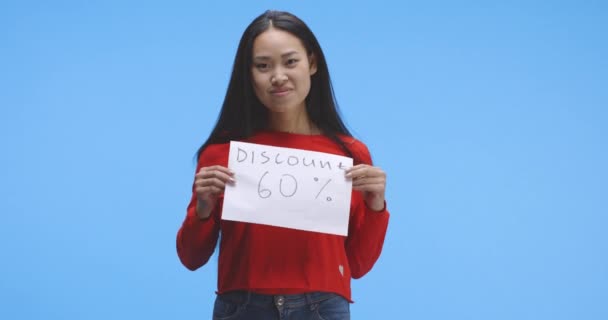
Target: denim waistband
<point>285,300</point>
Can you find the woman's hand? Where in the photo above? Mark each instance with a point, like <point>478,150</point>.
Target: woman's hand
<point>371,181</point>
<point>209,183</point>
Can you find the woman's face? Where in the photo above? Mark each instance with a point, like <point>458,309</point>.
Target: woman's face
<point>281,71</point>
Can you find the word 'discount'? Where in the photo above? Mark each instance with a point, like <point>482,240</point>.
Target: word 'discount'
<point>278,158</point>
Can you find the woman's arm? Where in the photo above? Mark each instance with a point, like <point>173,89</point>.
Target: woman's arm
<point>198,235</point>
<point>369,217</point>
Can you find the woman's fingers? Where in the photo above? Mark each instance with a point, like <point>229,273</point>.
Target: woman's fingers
<point>373,188</point>
<point>212,180</point>
<point>363,170</point>
<point>369,184</point>
<point>208,190</point>
<point>367,178</point>
<point>368,181</point>
<point>216,172</point>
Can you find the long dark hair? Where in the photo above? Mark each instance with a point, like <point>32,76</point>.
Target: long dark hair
<point>243,114</point>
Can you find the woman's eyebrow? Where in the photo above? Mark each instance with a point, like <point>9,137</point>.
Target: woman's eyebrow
<point>282,56</point>
<point>288,53</point>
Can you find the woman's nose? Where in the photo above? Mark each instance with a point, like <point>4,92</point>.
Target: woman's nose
<point>278,79</point>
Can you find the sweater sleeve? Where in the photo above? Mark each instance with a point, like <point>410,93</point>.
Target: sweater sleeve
<point>196,239</point>
<point>367,229</point>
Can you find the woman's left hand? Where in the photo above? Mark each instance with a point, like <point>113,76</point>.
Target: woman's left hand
<point>371,181</point>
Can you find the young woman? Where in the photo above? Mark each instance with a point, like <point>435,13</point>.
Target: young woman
<point>280,94</point>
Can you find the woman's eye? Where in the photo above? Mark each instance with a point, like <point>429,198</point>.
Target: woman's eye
<point>261,66</point>
<point>291,62</point>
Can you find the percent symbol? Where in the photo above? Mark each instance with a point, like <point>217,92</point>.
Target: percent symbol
<point>323,188</point>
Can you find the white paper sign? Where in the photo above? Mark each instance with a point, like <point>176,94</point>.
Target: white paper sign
<point>290,188</point>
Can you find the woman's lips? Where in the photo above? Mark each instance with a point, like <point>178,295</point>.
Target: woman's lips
<point>280,92</point>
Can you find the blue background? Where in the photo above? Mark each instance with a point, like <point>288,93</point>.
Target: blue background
<point>489,117</point>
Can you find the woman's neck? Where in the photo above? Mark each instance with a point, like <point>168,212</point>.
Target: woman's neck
<point>292,123</point>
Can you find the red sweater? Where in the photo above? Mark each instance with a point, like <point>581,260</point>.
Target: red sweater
<point>275,260</point>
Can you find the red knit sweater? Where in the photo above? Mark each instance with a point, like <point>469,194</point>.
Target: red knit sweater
<point>275,260</point>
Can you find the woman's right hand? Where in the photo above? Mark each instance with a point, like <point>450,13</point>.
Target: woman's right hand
<point>209,183</point>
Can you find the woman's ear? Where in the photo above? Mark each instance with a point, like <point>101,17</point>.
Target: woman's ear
<point>312,62</point>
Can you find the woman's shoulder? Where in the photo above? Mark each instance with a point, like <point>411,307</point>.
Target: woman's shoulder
<point>352,141</point>
<point>214,154</point>
<point>358,148</point>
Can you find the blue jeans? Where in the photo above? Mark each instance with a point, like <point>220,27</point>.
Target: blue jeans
<point>243,305</point>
